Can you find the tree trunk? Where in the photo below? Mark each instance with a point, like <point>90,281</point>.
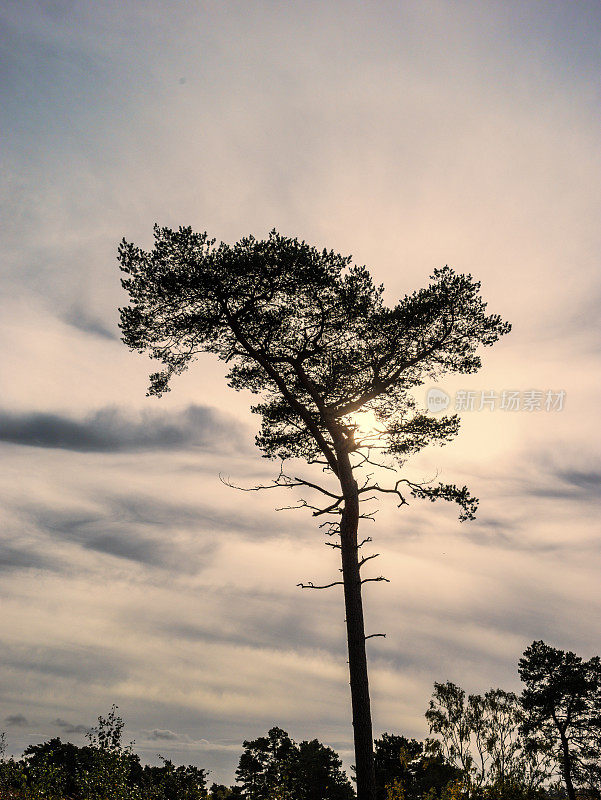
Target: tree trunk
<point>567,766</point>
<point>357,658</point>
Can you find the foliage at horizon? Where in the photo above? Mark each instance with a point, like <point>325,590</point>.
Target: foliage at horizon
<point>275,766</point>
<point>495,746</point>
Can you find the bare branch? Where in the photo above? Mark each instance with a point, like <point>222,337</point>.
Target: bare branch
<point>310,585</point>
<point>387,490</point>
<point>316,511</point>
<point>281,482</point>
<point>303,482</point>
<point>373,635</point>
<point>331,509</point>
<point>333,528</point>
<point>365,458</point>
<point>367,558</point>
<point>375,580</point>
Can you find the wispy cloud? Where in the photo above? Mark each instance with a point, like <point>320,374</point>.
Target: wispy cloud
<point>160,735</point>
<point>16,720</point>
<point>82,319</point>
<point>69,728</point>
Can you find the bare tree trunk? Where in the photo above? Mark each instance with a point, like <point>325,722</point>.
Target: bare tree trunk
<point>357,658</point>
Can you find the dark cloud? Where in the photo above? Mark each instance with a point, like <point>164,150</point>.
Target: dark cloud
<point>80,318</point>
<point>171,536</point>
<point>587,481</point>
<point>67,727</point>
<point>16,720</point>
<point>15,558</point>
<point>117,430</point>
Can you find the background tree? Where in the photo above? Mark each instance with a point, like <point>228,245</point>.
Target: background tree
<point>316,773</point>
<point>104,768</point>
<point>404,767</point>
<point>310,334</point>
<point>481,736</point>
<point>455,719</point>
<point>263,770</point>
<point>59,758</point>
<point>273,767</point>
<point>562,705</point>
<point>219,791</point>
<point>502,718</point>
<point>393,760</point>
<point>111,769</point>
<point>169,781</point>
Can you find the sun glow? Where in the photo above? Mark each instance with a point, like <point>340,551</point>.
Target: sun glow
<point>367,424</point>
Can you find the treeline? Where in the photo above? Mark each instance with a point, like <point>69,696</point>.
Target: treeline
<point>542,745</point>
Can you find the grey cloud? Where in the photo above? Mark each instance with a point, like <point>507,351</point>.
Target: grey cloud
<point>16,720</point>
<point>262,620</point>
<point>588,482</point>
<point>136,528</point>
<point>116,430</point>
<point>80,664</point>
<point>67,727</point>
<point>576,483</point>
<point>507,535</point>
<point>80,318</point>
<point>163,735</point>
<point>145,510</point>
<point>118,534</point>
<point>12,558</point>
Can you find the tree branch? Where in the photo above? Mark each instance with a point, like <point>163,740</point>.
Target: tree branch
<point>367,558</point>
<point>282,386</point>
<point>281,482</point>
<point>310,585</point>
<point>380,386</point>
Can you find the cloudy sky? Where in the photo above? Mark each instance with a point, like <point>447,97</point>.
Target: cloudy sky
<point>409,134</point>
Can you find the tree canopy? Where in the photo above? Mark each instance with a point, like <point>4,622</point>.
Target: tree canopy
<point>275,766</point>
<point>562,702</point>
<point>308,332</point>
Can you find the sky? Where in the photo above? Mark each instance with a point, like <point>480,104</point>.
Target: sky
<point>406,134</point>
